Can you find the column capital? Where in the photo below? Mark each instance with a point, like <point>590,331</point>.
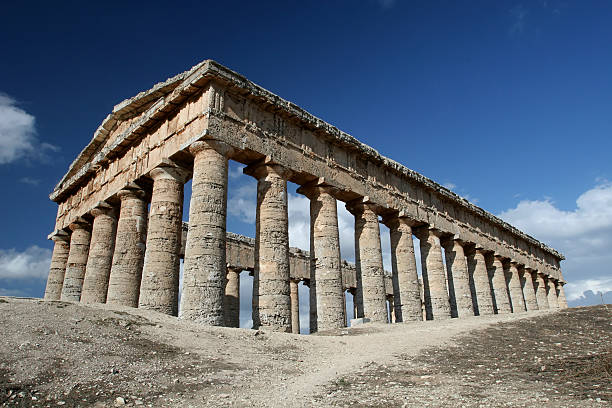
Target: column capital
<point>399,218</point>
<point>316,188</point>
<point>453,239</point>
<point>59,235</point>
<point>167,169</point>
<point>80,223</point>
<point>235,269</point>
<point>499,258</point>
<point>103,208</point>
<point>209,144</point>
<point>425,230</point>
<point>265,168</point>
<point>131,191</point>
<point>361,205</point>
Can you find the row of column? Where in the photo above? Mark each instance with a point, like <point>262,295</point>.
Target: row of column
<point>131,257</point>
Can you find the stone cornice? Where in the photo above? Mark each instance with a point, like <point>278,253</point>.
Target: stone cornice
<point>155,104</point>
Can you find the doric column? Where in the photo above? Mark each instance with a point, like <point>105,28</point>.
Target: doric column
<point>540,290</point>
<point>405,279</point>
<point>483,300</point>
<point>551,292</point>
<point>325,275</point>
<point>128,257</point>
<point>368,263</point>
<point>271,292</point>
<point>231,304</point>
<point>437,305</point>
<point>531,303</point>
<point>204,269</point>
<point>498,282</point>
<point>59,259</point>
<point>561,294</point>
<point>515,288</point>
<point>160,273</point>
<point>458,277</point>
<point>100,260</point>
<point>77,261</point>
<point>391,314</point>
<point>295,307</point>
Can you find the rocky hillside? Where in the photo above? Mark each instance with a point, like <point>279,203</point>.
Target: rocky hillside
<point>63,354</point>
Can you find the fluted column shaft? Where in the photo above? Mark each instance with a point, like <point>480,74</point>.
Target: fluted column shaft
<point>231,305</point>
<point>405,279</point>
<point>458,278</point>
<point>77,261</point>
<point>100,260</point>
<point>498,282</point>
<point>483,302</point>
<point>128,257</point>
<point>369,264</point>
<point>271,292</point>
<point>295,307</point>
<point>437,305</point>
<point>515,289</point>
<point>540,290</point>
<point>160,273</point>
<point>326,294</point>
<point>562,299</point>
<point>531,302</point>
<point>551,292</point>
<point>204,269</point>
<point>57,271</point>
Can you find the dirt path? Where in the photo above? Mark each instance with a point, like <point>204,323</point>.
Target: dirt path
<point>360,348</point>
<point>63,354</point>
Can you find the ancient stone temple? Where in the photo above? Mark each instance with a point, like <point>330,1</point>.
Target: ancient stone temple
<point>119,235</point>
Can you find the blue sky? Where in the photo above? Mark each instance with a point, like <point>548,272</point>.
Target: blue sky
<point>507,103</point>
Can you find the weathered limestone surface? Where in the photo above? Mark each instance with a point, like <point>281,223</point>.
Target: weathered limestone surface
<point>160,273</point>
<point>326,302</point>
<point>406,291</point>
<point>562,298</point>
<point>368,260</point>
<point>214,107</point>
<point>483,299</point>
<point>501,301</point>
<point>529,294</point>
<point>561,294</point>
<point>551,293</point>
<point>437,305</point>
<point>231,305</point>
<point>77,261</point>
<point>59,259</point>
<point>271,293</point>
<point>204,271</point>
<point>100,259</point>
<point>458,279</point>
<point>540,290</point>
<point>295,307</point>
<point>128,257</point>
<point>515,288</point>
<point>159,123</point>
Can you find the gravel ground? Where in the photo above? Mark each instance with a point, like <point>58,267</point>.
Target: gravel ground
<point>64,354</point>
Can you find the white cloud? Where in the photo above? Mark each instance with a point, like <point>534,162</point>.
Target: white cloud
<point>33,263</point>
<point>18,134</point>
<point>583,235</point>
<point>242,201</point>
<point>30,181</point>
<point>518,15</point>
<point>576,289</point>
<point>387,4</point>
<point>449,185</point>
<point>299,221</point>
